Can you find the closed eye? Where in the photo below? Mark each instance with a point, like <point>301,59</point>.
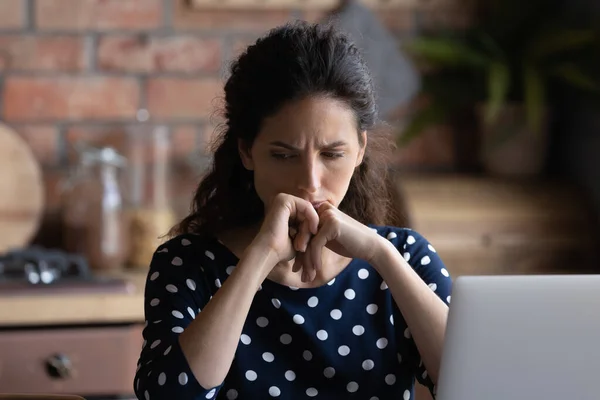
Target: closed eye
<point>333,154</point>
<point>282,156</point>
<point>327,154</point>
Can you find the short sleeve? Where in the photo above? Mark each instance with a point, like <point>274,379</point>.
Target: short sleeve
<point>422,256</point>
<point>176,291</point>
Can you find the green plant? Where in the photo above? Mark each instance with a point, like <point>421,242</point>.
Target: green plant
<point>515,52</point>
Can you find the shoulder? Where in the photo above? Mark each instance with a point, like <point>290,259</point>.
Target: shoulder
<point>422,256</point>
<point>416,249</point>
<point>403,238</point>
<point>185,252</point>
<point>183,262</point>
<point>189,245</point>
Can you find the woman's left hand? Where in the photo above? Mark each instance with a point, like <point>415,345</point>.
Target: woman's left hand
<point>341,234</point>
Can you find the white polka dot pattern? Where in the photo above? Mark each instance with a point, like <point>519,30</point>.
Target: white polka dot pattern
<point>182,379</point>
<point>348,323</point>
<point>177,261</point>
<point>171,288</point>
<point>251,375</point>
<point>285,339</point>
<point>290,375</point>
<point>336,314</point>
<point>190,284</point>
<point>343,350</point>
<point>245,339</point>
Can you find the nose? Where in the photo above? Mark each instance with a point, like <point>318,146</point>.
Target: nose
<point>309,176</point>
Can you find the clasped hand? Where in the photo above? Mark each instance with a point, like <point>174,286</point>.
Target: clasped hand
<point>294,229</point>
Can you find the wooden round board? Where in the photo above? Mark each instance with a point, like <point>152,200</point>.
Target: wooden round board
<point>21,191</point>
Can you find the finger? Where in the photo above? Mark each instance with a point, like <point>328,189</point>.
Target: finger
<point>293,232</point>
<point>297,263</point>
<point>307,266</point>
<point>303,237</point>
<point>304,211</point>
<point>316,247</point>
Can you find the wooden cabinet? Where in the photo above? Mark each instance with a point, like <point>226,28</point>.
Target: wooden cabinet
<point>481,226</point>
<point>91,361</point>
<point>485,226</point>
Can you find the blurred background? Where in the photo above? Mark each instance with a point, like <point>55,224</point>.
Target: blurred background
<point>107,108</point>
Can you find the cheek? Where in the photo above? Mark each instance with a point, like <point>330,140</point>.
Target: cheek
<point>267,183</point>
<point>338,178</point>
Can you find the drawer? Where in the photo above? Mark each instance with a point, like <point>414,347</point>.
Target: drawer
<point>82,361</point>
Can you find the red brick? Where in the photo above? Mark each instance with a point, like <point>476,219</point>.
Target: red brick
<point>184,140</point>
<point>69,98</point>
<point>240,45</point>
<point>12,14</point>
<point>443,4</point>
<point>115,136</point>
<point>315,15</point>
<point>433,148</point>
<point>452,19</point>
<point>185,16</point>
<point>183,98</point>
<point>159,54</point>
<point>210,131</point>
<point>43,141</point>
<point>397,19</point>
<point>98,14</point>
<point>41,53</point>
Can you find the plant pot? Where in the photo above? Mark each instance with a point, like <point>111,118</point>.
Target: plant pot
<point>509,148</point>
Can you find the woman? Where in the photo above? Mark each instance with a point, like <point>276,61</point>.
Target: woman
<point>284,281</point>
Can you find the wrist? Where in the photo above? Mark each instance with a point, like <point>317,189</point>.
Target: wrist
<point>264,255</point>
<point>383,254</point>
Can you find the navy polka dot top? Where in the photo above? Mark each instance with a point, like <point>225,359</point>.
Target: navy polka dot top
<point>344,340</point>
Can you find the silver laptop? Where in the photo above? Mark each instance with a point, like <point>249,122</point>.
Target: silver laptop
<point>522,338</point>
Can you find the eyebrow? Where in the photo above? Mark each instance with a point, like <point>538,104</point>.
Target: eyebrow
<point>337,143</point>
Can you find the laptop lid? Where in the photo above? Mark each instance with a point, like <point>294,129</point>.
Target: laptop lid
<point>522,337</point>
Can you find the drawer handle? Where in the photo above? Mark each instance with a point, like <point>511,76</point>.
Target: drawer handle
<point>59,366</point>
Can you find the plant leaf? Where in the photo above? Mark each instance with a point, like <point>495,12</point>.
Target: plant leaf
<point>498,88</point>
<point>422,119</point>
<point>491,45</point>
<point>534,98</point>
<point>572,74</point>
<point>446,52</point>
<point>564,40</point>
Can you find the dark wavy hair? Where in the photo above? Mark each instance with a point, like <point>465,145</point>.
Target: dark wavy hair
<point>290,63</point>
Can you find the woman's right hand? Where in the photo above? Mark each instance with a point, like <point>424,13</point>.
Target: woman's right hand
<point>289,224</point>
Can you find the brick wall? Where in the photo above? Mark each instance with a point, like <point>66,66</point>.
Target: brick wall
<point>73,69</point>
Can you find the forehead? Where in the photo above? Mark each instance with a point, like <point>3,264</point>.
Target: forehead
<point>316,119</point>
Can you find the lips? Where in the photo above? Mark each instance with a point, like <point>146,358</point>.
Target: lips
<point>316,204</point>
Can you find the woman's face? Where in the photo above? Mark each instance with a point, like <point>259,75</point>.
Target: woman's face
<point>309,149</point>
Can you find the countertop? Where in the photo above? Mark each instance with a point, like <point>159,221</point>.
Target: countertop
<point>77,308</point>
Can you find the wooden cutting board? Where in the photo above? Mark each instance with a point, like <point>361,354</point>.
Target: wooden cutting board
<point>21,191</point>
